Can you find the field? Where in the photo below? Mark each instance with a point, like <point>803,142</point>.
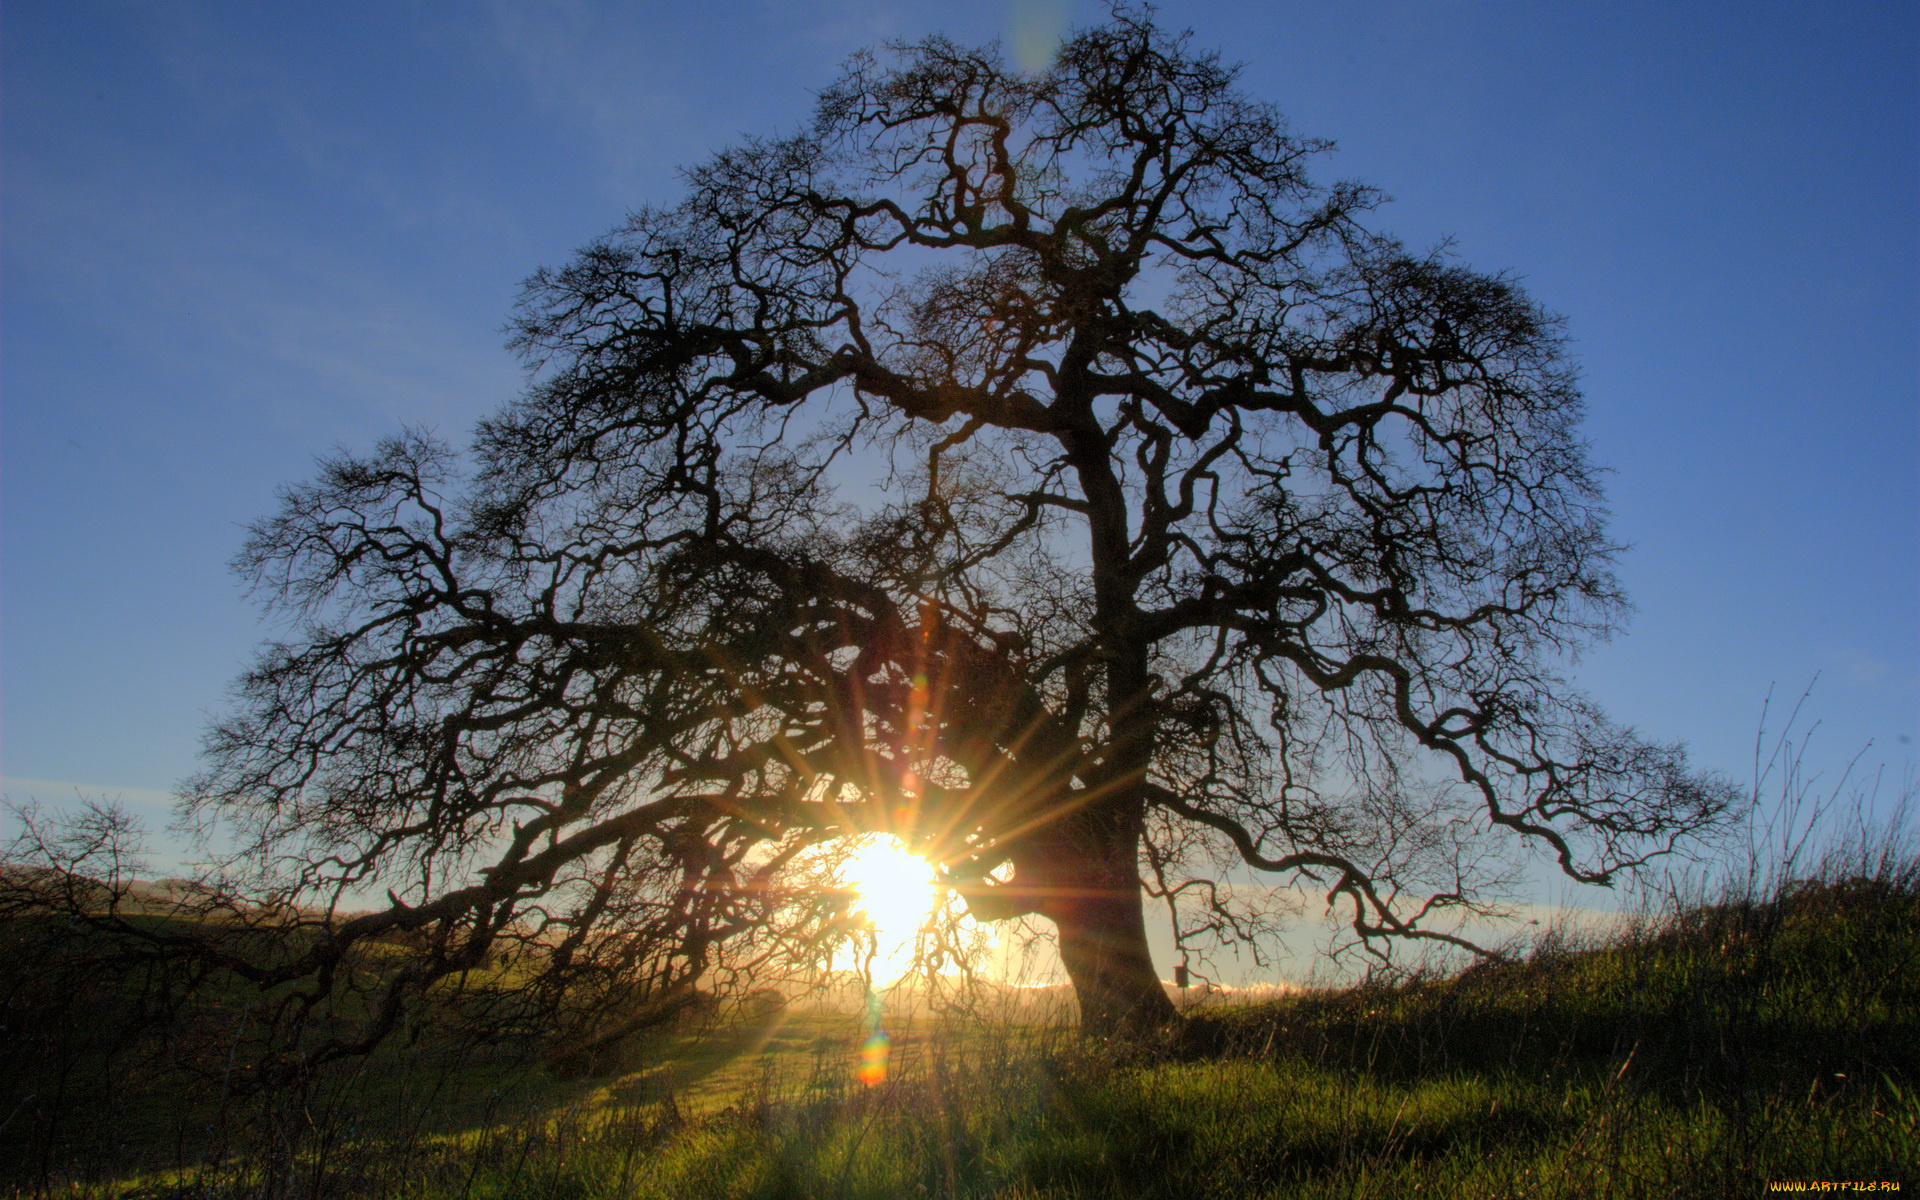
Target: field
<point>1709,1050</point>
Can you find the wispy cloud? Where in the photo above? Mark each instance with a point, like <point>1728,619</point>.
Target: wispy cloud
<point>237,304</point>
<point>147,803</point>
<point>655,89</point>
<point>617,86</point>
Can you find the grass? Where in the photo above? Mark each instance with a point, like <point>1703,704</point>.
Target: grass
<point>1770,1035</point>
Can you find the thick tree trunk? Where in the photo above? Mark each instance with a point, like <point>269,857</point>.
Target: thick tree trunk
<point>1103,941</point>
<point>1097,910</point>
<point>1092,895</point>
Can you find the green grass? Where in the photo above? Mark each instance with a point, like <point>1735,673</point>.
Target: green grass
<point>1703,1054</point>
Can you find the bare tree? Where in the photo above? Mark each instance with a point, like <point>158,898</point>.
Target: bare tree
<point>1042,467</point>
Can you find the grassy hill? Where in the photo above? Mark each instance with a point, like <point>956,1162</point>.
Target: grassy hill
<point>1704,1053</point>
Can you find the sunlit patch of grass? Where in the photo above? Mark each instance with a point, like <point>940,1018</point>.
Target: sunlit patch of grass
<point>1699,1053</point>
<point>1070,1121</point>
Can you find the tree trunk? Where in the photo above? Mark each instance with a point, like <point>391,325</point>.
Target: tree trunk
<point>1092,895</point>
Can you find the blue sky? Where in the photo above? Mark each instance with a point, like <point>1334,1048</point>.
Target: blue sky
<point>235,236</point>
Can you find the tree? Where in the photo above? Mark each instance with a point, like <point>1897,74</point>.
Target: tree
<point>1042,467</point>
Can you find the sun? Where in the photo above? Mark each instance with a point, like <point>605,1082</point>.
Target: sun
<point>897,891</point>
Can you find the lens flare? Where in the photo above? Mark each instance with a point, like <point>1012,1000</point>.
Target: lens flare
<point>878,1047</point>
<point>1037,27</point>
<point>874,1053</point>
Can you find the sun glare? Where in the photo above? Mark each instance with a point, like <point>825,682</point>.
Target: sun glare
<point>897,893</point>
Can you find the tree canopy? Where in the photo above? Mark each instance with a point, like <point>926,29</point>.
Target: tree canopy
<point>1045,468</point>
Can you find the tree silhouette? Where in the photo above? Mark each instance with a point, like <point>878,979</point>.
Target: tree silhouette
<point>1039,466</point>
